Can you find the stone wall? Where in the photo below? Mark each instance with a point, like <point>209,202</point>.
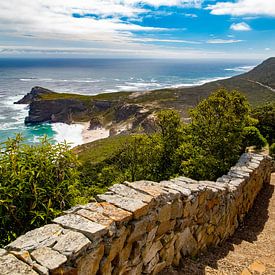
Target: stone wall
<point>140,227</point>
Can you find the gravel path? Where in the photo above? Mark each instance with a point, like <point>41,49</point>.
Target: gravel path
<point>251,250</point>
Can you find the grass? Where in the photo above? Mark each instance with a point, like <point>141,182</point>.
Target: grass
<point>101,150</point>
<point>105,96</point>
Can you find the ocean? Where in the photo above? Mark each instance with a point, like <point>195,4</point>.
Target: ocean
<point>94,76</point>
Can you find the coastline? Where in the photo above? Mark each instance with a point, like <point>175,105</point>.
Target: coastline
<point>93,135</point>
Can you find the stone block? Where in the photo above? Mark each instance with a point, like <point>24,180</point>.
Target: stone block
<point>23,256</point>
<point>137,207</point>
<point>90,229</point>
<point>10,265</point>
<point>176,209</point>
<point>72,244</point>
<point>151,265</point>
<point>126,191</point>
<point>164,213</point>
<point>2,252</point>
<point>48,258</point>
<point>89,263</point>
<point>138,229</point>
<point>159,267</point>
<point>151,251</point>
<point>95,217</point>
<point>176,185</point>
<point>165,227</point>
<point>109,210</point>
<point>44,236</point>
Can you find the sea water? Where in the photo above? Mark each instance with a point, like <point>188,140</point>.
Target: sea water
<point>90,77</point>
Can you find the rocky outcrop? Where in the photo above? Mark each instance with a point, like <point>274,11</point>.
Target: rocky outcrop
<point>33,95</point>
<point>95,123</point>
<point>61,110</point>
<point>141,227</point>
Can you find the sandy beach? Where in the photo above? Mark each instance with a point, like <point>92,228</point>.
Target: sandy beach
<point>92,135</point>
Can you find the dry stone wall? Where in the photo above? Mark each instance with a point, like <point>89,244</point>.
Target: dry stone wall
<point>140,227</point>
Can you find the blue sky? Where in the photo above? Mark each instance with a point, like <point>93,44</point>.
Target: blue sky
<point>225,29</point>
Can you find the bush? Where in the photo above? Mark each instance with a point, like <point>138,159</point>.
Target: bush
<point>272,150</point>
<point>266,121</point>
<point>253,137</point>
<point>214,137</point>
<point>36,184</point>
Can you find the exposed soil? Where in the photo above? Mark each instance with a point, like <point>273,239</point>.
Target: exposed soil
<point>251,250</point>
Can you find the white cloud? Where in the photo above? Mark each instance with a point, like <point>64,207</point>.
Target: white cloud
<point>165,40</point>
<point>192,15</point>
<point>244,7</point>
<point>101,20</point>
<point>223,41</point>
<point>240,27</point>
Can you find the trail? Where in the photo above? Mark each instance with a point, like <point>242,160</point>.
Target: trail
<point>261,84</point>
<point>251,250</point>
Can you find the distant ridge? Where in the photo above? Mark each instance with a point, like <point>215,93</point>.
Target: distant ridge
<point>263,73</point>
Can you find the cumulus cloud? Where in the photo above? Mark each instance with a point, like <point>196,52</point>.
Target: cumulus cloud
<point>101,24</point>
<point>244,7</point>
<point>240,27</point>
<point>56,16</point>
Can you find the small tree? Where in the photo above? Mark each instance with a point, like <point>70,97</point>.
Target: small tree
<point>215,134</point>
<point>36,184</point>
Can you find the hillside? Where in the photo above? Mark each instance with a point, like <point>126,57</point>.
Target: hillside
<point>134,111</point>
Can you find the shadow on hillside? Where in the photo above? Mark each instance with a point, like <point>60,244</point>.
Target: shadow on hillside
<point>250,229</point>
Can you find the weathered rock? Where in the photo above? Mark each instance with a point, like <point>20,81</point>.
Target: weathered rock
<point>150,252</point>
<point>95,217</point>
<point>128,192</point>
<point>10,265</point>
<point>43,236</point>
<point>72,244</point>
<point>90,229</point>
<point>89,264</point>
<point>137,207</point>
<point>2,252</point>
<point>165,212</point>
<point>48,257</point>
<point>111,211</point>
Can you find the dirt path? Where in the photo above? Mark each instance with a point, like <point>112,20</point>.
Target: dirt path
<point>251,250</point>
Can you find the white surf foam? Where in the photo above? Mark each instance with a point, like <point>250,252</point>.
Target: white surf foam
<point>240,69</point>
<point>72,134</point>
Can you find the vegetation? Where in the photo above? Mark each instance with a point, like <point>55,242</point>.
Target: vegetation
<point>36,184</point>
<point>265,115</point>
<point>214,135</point>
<point>219,131</point>
<point>272,150</point>
<point>253,137</point>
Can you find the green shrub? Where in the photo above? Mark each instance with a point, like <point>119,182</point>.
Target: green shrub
<point>272,150</point>
<point>36,184</point>
<point>253,137</point>
<point>266,121</point>
<point>215,135</point>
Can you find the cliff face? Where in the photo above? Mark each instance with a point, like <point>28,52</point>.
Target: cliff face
<point>62,110</point>
<point>48,106</point>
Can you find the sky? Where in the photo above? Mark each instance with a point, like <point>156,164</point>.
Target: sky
<point>183,29</point>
